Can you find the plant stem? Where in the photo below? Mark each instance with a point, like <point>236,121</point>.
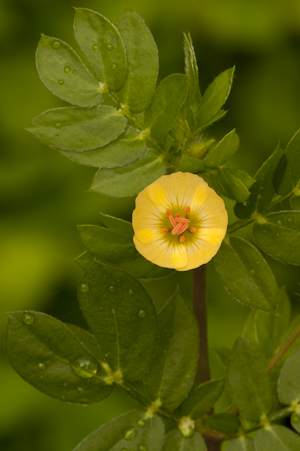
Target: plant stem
<point>199,299</point>
<point>284,349</point>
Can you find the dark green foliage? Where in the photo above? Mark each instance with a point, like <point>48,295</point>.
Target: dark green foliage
<point>276,438</point>
<point>126,431</point>
<point>176,442</point>
<point>122,317</point>
<point>241,444</point>
<point>224,422</point>
<point>248,381</point>
<point>202,399</point>
<point>61,361</point>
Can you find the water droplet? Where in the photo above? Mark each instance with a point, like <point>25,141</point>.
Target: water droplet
<point>143,172</point>
<point>259,196</point>
<point>85,367</point>
<point>113,311</point>
<point>80,390</point>
<point>67,69</point>
<point>131,292</point>
<point>84,287</point>
<point>60,82</point>
<point>141,423</point>
<point>245,204</point>
<point>111,288</point>
<point>173,362</point>
<point>42,366</point>
<point>295,418</point>
<point>58,125</point>
<point>28,318</point>
<point>130,434</point>
<point>96,47</point>
<point>109,47</point>
<point>56,44</point>
<point>114,66</point>
<point>142,314</point>
<point>65,384</point>
<point>290,220</point>
<point>279,223</point>
<point>143,448</point>
<point>252,271</point>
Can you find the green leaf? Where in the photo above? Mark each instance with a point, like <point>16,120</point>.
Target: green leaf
<point>289,381</point>
<point>60,360</point>
<point>224,150</point>
<point>142,57</point>
<point>241,444</point>
<point>215,96</point>
<point>102,44</point>
<point>224,422</point>
<point>246,275</point>
<point>202,399</point>
<point>84,260</point>
<point>122,317</point>
<point>295,201</point>
<point>262,191</point>
<point>125,150</point>
<point>278,235</point>
<point>168,99</point>
<point>104,243</point>
<point>63,73</point>
<point>191,164</point>
<point>71,128</point>
<point>248,381</point>
<point>234,183</point>
<point>111,436</point>
<point>276,438</point>
<point>287,175</point>
<point>118,225</point>
<point>137,266</point>
<point>191,70</point>
<point>129,180</point>
<point>265,330</point>
<point>172,373</point>
<point>295,421</point>
<point>223,355</point>
<point>176,442</point>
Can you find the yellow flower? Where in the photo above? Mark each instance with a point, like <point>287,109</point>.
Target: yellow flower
<point>179,222</point>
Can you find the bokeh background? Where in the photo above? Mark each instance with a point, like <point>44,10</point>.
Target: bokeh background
<point>43,195</point>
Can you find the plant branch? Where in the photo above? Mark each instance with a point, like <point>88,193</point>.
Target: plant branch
<point>284,349</point>
<point>199,300</point>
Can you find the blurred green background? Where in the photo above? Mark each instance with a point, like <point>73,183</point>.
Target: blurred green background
<point>42,194</point>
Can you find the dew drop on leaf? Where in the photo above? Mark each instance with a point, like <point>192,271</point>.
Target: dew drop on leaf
<point>141,423</point>
<point>130,434</point>
<point>131,292</point>
<point>143,448</point>
<point>61,82</point>
<point>142,314</point>
<point>109,47</point>
<point>80,390</point>
<point>42,366</point>
<point>28,318</point>
<point>56,44</point>
<point>295,418</point>
<point>259,196</point>
<point>58,125</point>
<point>114,66</point>
<point>74,71</point>
<point>84,287</point>
<point>111,288</point>
<point>85,367</point>
<point>279,223</point>
<point>96,47</point>
<point>67,69</point>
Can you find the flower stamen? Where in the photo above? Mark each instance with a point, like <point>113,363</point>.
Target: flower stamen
<point>181,238</point>
<point>187,210</point>
<point>176,229</point>
<point>184,220</point>
<point>164,230</point>
<point>172,221</point>
<point>193,229</point>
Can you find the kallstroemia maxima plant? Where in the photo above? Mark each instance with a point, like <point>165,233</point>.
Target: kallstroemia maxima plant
<point>151,142</point>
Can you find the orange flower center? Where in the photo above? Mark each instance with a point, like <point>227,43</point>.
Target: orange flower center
<point>179,224</point>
